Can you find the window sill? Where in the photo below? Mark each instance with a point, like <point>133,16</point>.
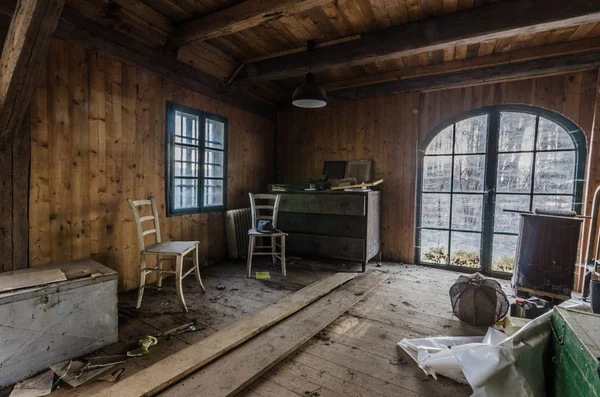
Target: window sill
<point>171,214</point>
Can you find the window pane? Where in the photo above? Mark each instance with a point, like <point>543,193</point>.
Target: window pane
<point>185,193</point>
<point>465,248</point>
<point>554,172</point>
<point>467,211</point>
<point>437,174</point>
<point>435,210</point>
<point>552,136</point>
<point>186,161</point>
<point>517,132</point>
<point>213,192</point>
<point>434,246</point>
<point>558,203</point>
<point>514,172</point>
<point>469,173</point>
<point>471,135</point>
<point>509,221</point>
<point>215,134</point>
<point>186,128</point>
<point>503,253</point>
<point>442,143</point>
<point>213,163</point>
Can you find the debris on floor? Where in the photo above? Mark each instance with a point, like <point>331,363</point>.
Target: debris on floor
<point>189,327</point>
<point>220,287</point>
<point>36,386</point>
<point>112,376</point>
<point>263,276</point>
<point>145,345</point>
<point>76,372</point>
<point>495,365</point>
<point>105,361</point>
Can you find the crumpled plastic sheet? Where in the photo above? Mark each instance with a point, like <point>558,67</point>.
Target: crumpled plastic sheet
<point>495,365</point>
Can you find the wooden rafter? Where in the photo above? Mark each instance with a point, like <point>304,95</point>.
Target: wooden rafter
<point>23,56</point>
<point>571,47</point>
<point>241,16</point>
<point>77,28</point>
<point>512,71</point>
<point>494,21</point>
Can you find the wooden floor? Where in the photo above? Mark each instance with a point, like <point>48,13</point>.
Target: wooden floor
<point>355,356</point>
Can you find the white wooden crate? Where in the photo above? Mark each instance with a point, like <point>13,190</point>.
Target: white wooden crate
<point>44,325</point>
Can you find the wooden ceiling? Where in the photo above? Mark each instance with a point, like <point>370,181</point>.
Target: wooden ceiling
<point>164,25</point>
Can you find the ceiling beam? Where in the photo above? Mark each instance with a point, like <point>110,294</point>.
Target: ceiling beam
<point>526,54</point>
<point>77,28</point>
<point>244,15</point>
<point>490,22</point>
<point>493,74</point>
<point>23,56</point>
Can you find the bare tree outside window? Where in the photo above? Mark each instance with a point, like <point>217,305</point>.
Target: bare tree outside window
<point>534,163</point>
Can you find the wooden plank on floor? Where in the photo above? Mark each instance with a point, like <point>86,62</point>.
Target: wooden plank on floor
<point>168,371</point>
<point>238,369</point>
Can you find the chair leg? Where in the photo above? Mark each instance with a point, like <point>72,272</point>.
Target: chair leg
<point>250,252</point>
<point>160,274</point>
<point>142,280</point>
<point>283,271</point>
<point>274,250</point>
<point>197,268</point>
<point>178,279</point>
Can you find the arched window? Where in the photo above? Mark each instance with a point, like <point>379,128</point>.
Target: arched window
<point>480,163</point>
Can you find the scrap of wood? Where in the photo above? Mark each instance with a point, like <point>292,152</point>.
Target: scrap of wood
<point>17,280</point>
<point>232,373</point>
<point>36,386</point>
<point>358,186</point>
<point>166,372</point>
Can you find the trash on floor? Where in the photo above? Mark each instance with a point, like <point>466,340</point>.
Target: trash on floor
<point>263,276</point>
<point>190,327</point>
<point>144,346</point>
<point>76,372</point>
<point>105,361</point>
<point>510,325</point>
<point>220,287</point>
<point>478,300</point>
<point>529,308</point>
<point>495,365</point>
<point>112,376</point>
<point>36,386</point>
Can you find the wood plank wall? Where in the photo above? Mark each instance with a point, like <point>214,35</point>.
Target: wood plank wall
<point>389,130</point>
<point>14,188</point>
<point>98,138</point>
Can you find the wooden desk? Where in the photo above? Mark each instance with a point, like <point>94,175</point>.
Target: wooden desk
<point>343,225</point>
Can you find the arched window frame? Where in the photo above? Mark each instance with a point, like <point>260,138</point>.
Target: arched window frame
<point>493,112</point>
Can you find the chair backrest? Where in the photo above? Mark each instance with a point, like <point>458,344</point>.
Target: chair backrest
<point>266,211</point>
<point>139,220</point>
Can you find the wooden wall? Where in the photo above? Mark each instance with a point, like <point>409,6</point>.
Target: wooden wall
<point>98,138</point>
<point>389,130</point>
<point>14,190</point>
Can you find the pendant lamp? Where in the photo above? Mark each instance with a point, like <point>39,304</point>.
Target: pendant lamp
<point>309,95</point>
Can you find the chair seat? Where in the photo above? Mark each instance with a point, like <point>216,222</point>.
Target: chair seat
<point>276,233</point>
<point>171,247</point>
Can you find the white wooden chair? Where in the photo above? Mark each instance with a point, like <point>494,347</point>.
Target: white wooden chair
<point>258,213</point>
<point>165,251</point>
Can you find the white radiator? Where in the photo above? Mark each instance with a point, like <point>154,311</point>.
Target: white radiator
<point>237,224</point>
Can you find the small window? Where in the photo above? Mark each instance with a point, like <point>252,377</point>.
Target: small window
<point>197,161</point>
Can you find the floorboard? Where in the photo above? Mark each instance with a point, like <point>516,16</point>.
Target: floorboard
<point>354,356</point>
